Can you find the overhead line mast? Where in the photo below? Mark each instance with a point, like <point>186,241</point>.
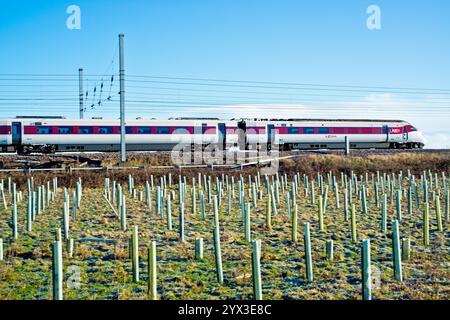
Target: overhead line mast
<point>123,157</point>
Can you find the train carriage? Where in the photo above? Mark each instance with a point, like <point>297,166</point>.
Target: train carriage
<point>330,134</point>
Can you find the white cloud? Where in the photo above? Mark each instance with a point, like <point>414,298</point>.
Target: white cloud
<point>438,141</point>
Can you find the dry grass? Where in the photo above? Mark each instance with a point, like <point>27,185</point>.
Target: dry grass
<point>360,162</point>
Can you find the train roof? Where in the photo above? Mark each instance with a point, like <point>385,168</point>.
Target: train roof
<point>329,120</point>
<point>40,117</point>
<point>218,119</point>
<point>194,118</point>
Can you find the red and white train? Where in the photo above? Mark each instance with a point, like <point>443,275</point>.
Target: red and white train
<point>57,134</point>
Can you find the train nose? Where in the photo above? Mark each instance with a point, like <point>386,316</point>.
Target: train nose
<point>422,138</point>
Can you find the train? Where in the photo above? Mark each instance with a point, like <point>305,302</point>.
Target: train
<point>32,134</point>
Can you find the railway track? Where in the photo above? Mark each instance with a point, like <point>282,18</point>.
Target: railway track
<point>161,160</point>
<point>361,152</point>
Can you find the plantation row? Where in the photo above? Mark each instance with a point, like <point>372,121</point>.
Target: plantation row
<point>361,222</point>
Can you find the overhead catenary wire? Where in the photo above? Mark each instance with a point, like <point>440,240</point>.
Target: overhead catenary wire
<point>324,97</point>
<point>111,67</point>
<point>286,105</point>
<point>283,88</point>
<point>190,106</point>
<point>213,80</point>
<point>257,95</point>
<point>225,91</point>
<point>285,83</point>
<point>261,85</point>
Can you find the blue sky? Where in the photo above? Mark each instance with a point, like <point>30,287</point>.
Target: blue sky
<point>308,42</point>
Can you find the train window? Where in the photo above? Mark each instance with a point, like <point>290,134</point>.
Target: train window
<point>162,130</point>
<point>308,130</point>
<point>85,130</point>
<point>65,130</point>
<point>324,130</point>
<point>128,130</point>
<point>293,130</point>
<point>144,130</point>
<point>181,130</point>
<point>105,130</point>
<point>44,130</point>
<point>411,128</point>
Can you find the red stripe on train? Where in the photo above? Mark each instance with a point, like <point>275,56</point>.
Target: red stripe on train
<point>336,130</point>
<point>116,130</point>
<point>206,130</point>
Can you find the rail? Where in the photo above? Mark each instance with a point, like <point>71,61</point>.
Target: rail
<point>260,161</point>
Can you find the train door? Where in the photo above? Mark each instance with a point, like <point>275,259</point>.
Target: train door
<point>270,136</point>
<point>16,133</point>
<point>386,132</point>
<point>202,137</point>
<point>242,135</point>
<point>222,130</point>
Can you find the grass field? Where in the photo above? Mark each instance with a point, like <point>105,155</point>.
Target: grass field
<point>101,265</point>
